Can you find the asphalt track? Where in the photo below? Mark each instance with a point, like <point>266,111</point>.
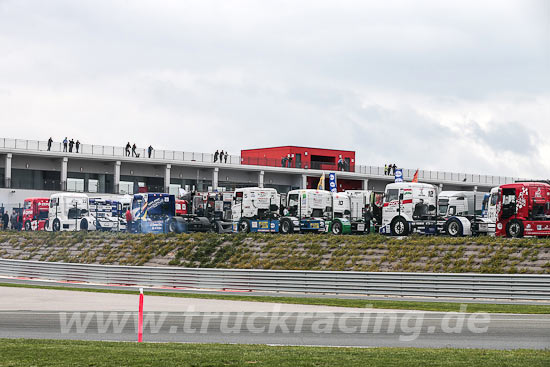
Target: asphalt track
<point>39,313</point>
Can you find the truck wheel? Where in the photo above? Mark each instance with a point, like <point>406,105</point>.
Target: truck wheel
<point>84,224</point>
<point>337,227</point>
<point>514,229</point>
<point>286,226</point>
<point>399,227</point>
<point>216,227</point>
<point>244,226</point>
<point>28,226</point>
<point>56,225</point>
<point>172,227</point>
<point>454,228</point>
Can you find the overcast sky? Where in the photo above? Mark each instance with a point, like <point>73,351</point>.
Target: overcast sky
<point>461,86</point>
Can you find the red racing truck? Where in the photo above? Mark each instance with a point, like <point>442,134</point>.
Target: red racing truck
<point>523,209</point>
<point>35,213</point>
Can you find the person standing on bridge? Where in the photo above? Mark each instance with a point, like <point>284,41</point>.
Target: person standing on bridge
<point>221,156</point>
<point>65,142</point>
<point>6,220</point>
<point>150,150</point>
<point>128,146</point>
<point>134,150</point>
<point>71,144</point>
<point>216,156</point>
<point>77,145</point>
<point>225,157</point>
<point>50,141</point>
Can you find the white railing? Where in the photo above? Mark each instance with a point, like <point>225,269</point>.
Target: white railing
<point>118,151</point>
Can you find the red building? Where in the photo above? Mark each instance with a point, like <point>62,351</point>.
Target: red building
<point>330,160</point>
<point>300,157</point>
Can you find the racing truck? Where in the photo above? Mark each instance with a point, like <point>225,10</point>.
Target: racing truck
<point>255,209</point>
<point>156,213</point>
<point>69,212</point>
<point>523,209</point>
<point>107,214</point>
<point>306,210</point>
<point>409,207</point>
<point>350,212</point>
<point>465,213</point>
<point>216,208</point>
<point>35,213</point>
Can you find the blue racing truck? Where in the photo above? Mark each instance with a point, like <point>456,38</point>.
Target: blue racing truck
<point>155,213</point>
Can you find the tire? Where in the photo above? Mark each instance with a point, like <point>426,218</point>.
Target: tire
<point>337,227</point>
<point>286,226</point>
<point>454,228</point>
<point>172,227</point>
<point>216,227</point>
<point>399,227</point>
<point>28,226</point>
<point>84,224</point>
<point>244,226</point>
<point>56,225</point>
<point>514,229</point>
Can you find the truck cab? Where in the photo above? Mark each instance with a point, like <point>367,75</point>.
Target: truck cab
<point>408,207</point>
<point>215,208</point>
<point>523,209</point>
<point>306,211</point>
<point>69,212</point>
<point>255,209</point>
<point>155,213</point>
<point>35,213</point>
<point>351,212</point>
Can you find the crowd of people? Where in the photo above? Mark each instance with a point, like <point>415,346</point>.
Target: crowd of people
<point>389,169</point>
<point>68,145</point>
<point>133,150</point>
<point>222,156</point>
<point>15,221</point>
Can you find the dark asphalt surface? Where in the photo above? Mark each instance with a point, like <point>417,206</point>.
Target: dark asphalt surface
<point>372,329</point>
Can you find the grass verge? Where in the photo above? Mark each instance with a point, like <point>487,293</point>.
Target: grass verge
<point>339,302</point>
<point>24,352</point>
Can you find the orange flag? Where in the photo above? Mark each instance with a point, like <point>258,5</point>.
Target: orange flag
<point>415,178</point>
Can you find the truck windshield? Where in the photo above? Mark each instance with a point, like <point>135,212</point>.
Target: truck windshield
<point>443,209</point>
<point>42,214</point>
<point>391,195</point>
<point>27,205</point>
<point>75,213</point>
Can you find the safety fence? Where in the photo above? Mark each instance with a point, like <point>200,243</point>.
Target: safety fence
<point>514,286</point>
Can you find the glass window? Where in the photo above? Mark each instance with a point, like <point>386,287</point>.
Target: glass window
<point>27,205</point>
<point>452,210</point>
<point>494,198</point>
<point>443,209</point>
<point>392,194</point>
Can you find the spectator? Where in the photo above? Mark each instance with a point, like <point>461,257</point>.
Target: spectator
<point>289,161</point>
<point>65,142</point>
<point>13,220</point>
<point>283,161</point>
<point>134,150</point>
<point>6,220</point>
<point>394,168</point>
<point>150,150</point>
<point>341,164</point>
<point>50,141</point>
<point>225,157</point>
<point>128,220</point>
<point>385,169</point>
<point>221,156</point>
<point>216,156</point>
<point>128,146</point>
<point>77,145</point>
<point>71,144</point>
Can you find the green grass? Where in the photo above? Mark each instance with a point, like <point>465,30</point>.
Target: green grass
<point>17,352</point>
<point>339,302</point>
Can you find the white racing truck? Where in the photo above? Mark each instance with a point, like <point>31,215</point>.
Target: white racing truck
<point>306,211</point>
<point>409,207</point>
<point>255,209</point>
<point>69,212</point>
<point>350,212</point>
<point>467,213</point>
<point>108,215</point>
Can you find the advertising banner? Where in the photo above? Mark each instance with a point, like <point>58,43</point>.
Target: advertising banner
<point>399,175</point>
<point>332,181</point>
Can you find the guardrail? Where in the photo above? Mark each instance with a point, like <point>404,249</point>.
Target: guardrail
<point>514,286</point>
<point>174,155</point>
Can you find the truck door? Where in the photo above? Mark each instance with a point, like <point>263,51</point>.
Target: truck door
<point>508,203</point>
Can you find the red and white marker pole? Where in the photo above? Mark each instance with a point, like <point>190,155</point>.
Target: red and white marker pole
<point>140,316</point>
